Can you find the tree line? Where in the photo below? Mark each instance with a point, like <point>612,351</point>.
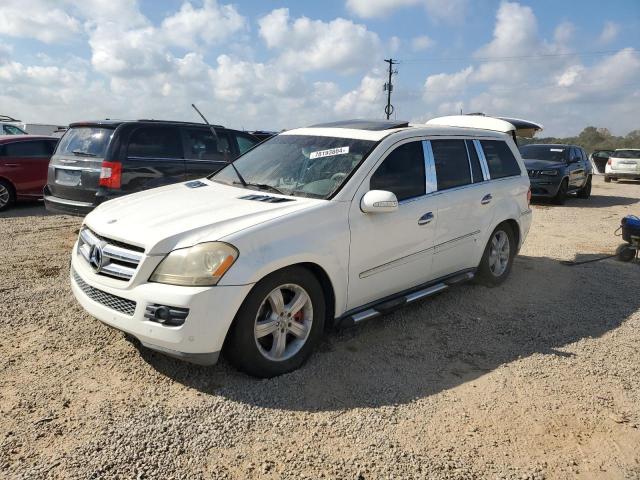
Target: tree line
<point>591,139</point>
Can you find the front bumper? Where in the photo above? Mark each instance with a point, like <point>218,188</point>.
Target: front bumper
<point>199,340</point>
<point>545,186</point>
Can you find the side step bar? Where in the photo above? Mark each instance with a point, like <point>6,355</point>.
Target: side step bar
<point>388,305</point>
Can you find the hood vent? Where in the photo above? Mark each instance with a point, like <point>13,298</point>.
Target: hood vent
<point>195,184</point>
<point>266,198</point>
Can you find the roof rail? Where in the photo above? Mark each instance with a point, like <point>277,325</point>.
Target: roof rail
<point>175,121</point>
<point>360,124</point>
<point>7,118</point>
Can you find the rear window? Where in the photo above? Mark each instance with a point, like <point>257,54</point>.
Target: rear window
<point>500,159</point>
<point>85,141</point>
<point>452,163</point>
<point>626,154</point>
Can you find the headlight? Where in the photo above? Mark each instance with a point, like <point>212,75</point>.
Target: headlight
<point>201,265</point>
<point>551,173</point>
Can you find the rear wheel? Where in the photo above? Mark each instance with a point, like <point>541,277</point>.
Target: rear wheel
<point>561,196</point>
<point>278,325</point>
<point>7,195</point>
<point>498,257</point>
<point>607,179</point>
<point>585,192</point>
<point>625,253</point>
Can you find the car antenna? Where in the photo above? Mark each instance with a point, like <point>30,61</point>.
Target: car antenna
<point>230,162</point>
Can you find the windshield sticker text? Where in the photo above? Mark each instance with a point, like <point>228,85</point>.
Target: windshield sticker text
<point>329,153</point>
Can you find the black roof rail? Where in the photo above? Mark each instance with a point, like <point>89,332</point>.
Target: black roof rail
<point>362,124</point>
<point>7,118</point>
<point>153,120</point>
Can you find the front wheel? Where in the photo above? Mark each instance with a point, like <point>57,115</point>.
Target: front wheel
<point>278,325</point>
<point>585,192</point>
<point>498,256</point>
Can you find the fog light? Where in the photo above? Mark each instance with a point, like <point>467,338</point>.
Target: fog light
<point>166,315</point>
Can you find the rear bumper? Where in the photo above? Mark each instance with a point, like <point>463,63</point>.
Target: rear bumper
<point>623,174</point>
<point>66,206</point>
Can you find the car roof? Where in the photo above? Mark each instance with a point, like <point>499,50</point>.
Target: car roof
<point>362,124</point>
<point>110,123</point>
<point>15,138</point>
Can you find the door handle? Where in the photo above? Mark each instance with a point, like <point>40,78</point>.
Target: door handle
<point>11,165</point>
<point>486,199</point>
<point>426,218</point>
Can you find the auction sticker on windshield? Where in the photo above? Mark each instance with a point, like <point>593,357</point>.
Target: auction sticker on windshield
<point>329,153</point>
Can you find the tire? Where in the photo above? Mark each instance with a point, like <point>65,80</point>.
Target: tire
<point>625,254</point>
<point>7,195</point>
<point>261,353</point>
<point>488,273</point>
<point>585,192</point>
<point>561,196</point>
<point>607,179</point>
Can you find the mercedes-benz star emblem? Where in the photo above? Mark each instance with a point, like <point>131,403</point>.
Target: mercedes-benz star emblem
<point>95,257</point>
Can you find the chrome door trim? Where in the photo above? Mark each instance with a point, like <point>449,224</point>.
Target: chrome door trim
<point>429,168</point>
<point>483,160</point>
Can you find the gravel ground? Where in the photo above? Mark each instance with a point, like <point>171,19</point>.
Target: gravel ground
<point>539,378</point>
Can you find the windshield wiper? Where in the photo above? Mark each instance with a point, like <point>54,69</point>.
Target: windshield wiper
<point>82,153</point>
<point>264,186</point>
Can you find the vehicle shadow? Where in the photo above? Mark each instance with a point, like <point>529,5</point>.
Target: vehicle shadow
<point>594,201</point>
<point>437,344</point>
<point>25,209</point>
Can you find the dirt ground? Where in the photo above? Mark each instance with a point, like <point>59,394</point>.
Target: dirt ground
<point>538,378</point>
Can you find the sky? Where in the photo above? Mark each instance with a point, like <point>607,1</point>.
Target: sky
<point>269,65</point>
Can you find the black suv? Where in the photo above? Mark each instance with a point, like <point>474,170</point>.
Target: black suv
<point>97,161</point>
<point>556,170</point>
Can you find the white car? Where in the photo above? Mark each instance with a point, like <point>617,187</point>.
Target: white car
<point>317,227</point>
<point>624,163</point>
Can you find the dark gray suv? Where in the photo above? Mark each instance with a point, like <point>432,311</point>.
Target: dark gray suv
<point>557,170</point>
<point>97,161</point>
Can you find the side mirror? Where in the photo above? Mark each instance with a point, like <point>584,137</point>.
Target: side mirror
<point>379,201</point>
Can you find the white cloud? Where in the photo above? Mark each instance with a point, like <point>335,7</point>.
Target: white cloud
<point>191,27</point>
<point>443,84</point>
<point>306,44</point>
<point>449,10</point>
<point>609,33</point>
<point>37,19</point>
<point>365,100</point>
<point>564,33</point>
<point>422,42</point>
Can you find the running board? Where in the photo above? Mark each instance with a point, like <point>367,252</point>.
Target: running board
<point>388,305</point>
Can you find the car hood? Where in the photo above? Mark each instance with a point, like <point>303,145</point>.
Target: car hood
<point>178,216</point>
<point>533,164</point>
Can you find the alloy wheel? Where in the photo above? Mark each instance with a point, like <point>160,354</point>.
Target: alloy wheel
<point>4,196</point>
<point>283,322</point>
<point>499,253</point>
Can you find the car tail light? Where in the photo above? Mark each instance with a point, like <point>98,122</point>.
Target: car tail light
<point>110,174</point>
<point>609,161</point>
<point>529,196</point>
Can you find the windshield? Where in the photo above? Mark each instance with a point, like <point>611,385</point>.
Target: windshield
<point>626,154</point>
<point>85,142</point>
<point>301,165</point>
<point>550,153</point>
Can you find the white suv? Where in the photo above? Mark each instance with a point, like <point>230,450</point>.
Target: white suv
<point>317,227</point>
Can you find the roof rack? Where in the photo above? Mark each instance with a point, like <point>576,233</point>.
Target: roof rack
<point>361,124</point>
<point>175,121</point>
<point>7,118</point>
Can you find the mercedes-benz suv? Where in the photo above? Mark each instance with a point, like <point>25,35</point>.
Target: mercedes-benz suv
<point>316,227</point>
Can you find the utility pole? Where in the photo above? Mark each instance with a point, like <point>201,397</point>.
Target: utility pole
<point>388,87</point>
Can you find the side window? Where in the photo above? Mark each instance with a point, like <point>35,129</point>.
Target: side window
<point>476,169</point>
<point>200,144</point>
<point>500,159</point>
<point>402,172</point>
<point>452,164</point>
<point>244,142</point>
<point>27,149</point>
<point>11,130</point>
<point>155,142</point>
<point>51,146</point>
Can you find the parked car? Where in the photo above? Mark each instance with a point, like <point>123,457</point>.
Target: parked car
<point>323,226</point>
<point>23,167</point>
<point>623,163</point>
<point>98,161</point>
<point>557,170</point>
<point>599,159</point>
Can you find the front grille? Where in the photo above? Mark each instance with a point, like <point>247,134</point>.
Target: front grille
<point>119,304</point>
<point>109,257</point>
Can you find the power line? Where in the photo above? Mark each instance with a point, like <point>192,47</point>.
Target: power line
<point>509,57</point>
<point>388,87</point>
